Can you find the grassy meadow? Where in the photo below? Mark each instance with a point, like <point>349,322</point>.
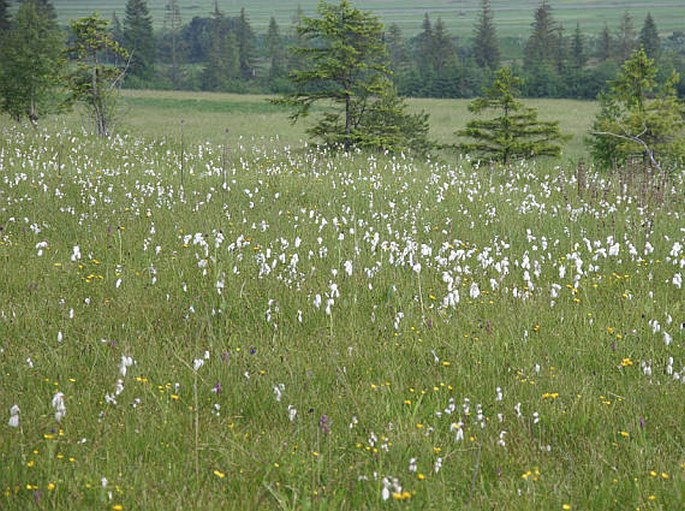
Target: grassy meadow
<point>459,15</point>
<point>230,321</point>
<point>202,116</point>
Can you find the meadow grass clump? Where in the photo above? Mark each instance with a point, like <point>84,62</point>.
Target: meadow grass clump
<point>297,329</point>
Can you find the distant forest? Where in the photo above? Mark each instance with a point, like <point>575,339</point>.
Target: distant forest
<point>222,52</point>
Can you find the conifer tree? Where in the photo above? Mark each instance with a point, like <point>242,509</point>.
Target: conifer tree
<point>222,64</point>
<point>94,82</point>
<point>4,16</point>
<point>347,65</point>
<point>543,55</point>
<point>139,39</point>
<point>246,46</point>
<point>45,7</point>
<point>424,50</point>
<point>625,37</point>
<point>542,43</point>
<point>485,47</point>
<point>31,64</point>
<point>606,44</point>
<point>639,119</point>
<point>514,132</point>
<point>275,51</point>
<point>649,38</point>
<point>173,25</point>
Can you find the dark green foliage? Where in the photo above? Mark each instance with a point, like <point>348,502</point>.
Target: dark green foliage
<point>544,55</point>
<point>626,38</point>
<point>485,47</point>
<point>31,64</point>
<point>139,39</point>
<point>638,119</point>
<point>649,38</point>
<point>514,132</point>
<point>44,7</point>
<point>171,46</point>
<point>93,81</point>
<point>222,64</point>
<point>605,45</point>
<point>4,15</point>
<point>275,51</point>
<point>246,43</point>
<point>346,65</point>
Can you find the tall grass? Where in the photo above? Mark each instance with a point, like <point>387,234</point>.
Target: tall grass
<point>289,329</point>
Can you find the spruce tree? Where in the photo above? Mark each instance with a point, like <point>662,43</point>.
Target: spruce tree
<point>424,51</point>
<point>4,16</point>
<point>346,65</point>
<point>275,51</point>
<point>626,37</point>
<point>605,46</point>
<point>222,64</point>
<point>139,39</point>
<point>444,62</point>
<point>541,61</point>
<point>578,56</point>
<point>514,132</point>
<point>638,118</point>
<point>246,46</point>
<point>173,25</point>
<point>45,7</point>
<point>541,46</point>
<point>31,64</point>
<point>485,48</point>
<point>94,82</point>
<point>649,38</point>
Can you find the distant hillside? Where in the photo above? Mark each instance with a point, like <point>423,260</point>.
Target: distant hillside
<point>513,17</point>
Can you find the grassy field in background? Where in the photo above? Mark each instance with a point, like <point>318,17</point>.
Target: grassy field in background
<point>207,116</point>
<point>512,18</point>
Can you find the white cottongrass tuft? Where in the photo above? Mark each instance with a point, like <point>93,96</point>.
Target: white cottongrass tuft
<point>59,406</point>
<point>14,417</point>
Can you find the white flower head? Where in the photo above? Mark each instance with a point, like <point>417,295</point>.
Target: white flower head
<point>126,362</point>
<point>14,416</point>
<point>59,406</point>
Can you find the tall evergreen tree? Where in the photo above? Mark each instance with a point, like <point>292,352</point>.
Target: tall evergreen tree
<point>347,64</point>
<point>626,37</point>
<point>94,82</point>
<point>574,73</point>
<point>275,51</point>
<point>4,15</point>
<point>116,29</point>
<point>485,48</point>
<point>605,45</point>
<point>542,60</point>
<point>397,49</point>
<point>45,7</point>
<point>444,62</point>
<point>514,132</point>
<point>246,46</point>
<point>139,39</point>
<point>578,56</point>
<point>173,24</point>
<point>541,46</point>
<point>637,119</point>
<point>31,64</point>
<point>649,38</point>
<point>222,64</point>
<point>424,49</point>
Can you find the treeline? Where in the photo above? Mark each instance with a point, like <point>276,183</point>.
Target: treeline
<point>221,52</point>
